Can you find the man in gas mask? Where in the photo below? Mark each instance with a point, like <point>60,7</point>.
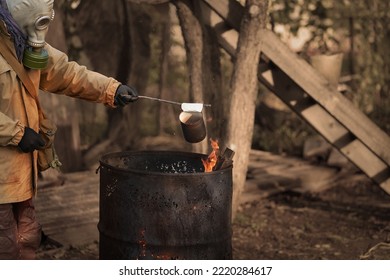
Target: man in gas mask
<point>23,26</point>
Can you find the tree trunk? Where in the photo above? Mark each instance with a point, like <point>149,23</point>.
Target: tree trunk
<point>166,113</point>
<point>244,89</point>
<point>124,125</point>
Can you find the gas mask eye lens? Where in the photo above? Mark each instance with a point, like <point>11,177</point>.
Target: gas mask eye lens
<point>42,23</point>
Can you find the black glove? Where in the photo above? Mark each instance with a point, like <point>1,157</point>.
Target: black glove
<point>30,141</point>
<point>124,95</point>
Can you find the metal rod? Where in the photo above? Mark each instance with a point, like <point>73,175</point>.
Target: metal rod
<point>159,100</point>
<point>166,101</point>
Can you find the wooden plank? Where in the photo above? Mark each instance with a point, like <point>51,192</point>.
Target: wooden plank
<point>363,158</point>
<point>324,123</point>
<point>386,185</point>
<point>69,213</point>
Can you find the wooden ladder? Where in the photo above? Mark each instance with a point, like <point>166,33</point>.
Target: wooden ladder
<point>308,94</point>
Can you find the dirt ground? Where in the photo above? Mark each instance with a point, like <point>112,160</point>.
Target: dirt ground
<point>350,221</point>
<point>346,222</point>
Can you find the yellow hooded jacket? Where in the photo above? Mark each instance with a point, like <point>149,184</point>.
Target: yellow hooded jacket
<point>18,109</point>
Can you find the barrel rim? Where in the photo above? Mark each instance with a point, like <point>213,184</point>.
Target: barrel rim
<point>124,153</point>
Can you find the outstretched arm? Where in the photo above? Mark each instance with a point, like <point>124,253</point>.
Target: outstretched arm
<point>69,78</point>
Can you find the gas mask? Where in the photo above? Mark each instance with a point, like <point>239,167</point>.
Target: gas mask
<point>33,18</point>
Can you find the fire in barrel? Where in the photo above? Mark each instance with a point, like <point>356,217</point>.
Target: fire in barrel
<point>163,205</point>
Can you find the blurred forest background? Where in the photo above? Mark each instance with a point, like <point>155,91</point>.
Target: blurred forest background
<point>141,43</point>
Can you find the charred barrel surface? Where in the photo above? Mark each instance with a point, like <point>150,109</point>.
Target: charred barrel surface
<point>161,205</point>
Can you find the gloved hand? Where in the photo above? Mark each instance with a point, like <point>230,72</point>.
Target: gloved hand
<point>124,95</point>
<point>30,141</point>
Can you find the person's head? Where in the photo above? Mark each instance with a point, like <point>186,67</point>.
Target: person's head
<point>33,18</point>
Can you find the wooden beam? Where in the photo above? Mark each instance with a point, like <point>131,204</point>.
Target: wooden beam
<point>366,161</point>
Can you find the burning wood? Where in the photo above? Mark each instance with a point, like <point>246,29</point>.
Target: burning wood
<point>216,160</point>
<point>225,160</point>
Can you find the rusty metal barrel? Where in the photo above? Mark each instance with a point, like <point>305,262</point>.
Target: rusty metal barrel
<point>162,205</point>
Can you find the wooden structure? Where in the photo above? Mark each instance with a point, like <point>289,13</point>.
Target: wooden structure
<point>308,94</point>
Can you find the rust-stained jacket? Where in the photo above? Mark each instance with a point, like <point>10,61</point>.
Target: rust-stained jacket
<point>18,109</point>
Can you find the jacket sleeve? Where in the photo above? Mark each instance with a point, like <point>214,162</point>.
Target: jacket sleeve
<point>11,132</point>
<point>69,78</point>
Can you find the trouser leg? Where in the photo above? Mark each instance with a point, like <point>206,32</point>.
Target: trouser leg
<point>29,230</point>
<point>9,248</point>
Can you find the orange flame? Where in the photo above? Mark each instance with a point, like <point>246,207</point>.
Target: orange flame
<point>211,160</point>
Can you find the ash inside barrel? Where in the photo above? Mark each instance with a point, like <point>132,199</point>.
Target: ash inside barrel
<point>180,166</point>
<point>161,166</point>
